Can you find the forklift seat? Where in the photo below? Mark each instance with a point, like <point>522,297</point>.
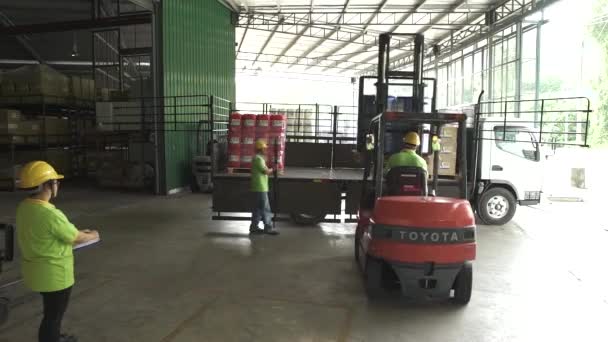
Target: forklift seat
<point>406,181</point>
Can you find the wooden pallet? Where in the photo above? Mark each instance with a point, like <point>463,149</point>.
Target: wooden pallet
<point>238,170</point>
<point>245,170</point>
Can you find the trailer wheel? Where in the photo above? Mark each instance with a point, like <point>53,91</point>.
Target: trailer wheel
<point>496,206</point>
<point>307,219</point>
<point>463,285</point>
<point>373,277</point>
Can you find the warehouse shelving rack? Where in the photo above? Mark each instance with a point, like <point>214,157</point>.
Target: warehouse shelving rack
<point>80,115</point>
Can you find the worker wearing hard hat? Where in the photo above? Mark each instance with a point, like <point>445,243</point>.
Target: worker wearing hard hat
<point>46,239</point>
<point>259,188</point>
<point>407,156</point>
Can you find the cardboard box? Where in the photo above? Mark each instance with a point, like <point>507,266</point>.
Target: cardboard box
<point>9,115</point>
<point>39,79</point>
<point>56,130</point>
<point>76,87</point>
<point>102,94</point>
<point>7,87</point>
<point>447,164</point>
<point>9,121</point>
<point>449,132</point>
<point>31,128</point>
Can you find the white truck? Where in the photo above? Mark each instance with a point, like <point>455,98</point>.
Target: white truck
<point>509,169</point>
<point>507,155</point>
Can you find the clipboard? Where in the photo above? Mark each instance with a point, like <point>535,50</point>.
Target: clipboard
<point>86,244</point>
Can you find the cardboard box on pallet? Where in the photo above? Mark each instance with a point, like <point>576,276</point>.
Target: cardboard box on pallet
<point>39,79</point>
<point>447,164</point>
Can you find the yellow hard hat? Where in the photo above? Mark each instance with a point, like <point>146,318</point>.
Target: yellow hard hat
<point>412,138</point>
<point>260,144</point>
<point>36,173</point>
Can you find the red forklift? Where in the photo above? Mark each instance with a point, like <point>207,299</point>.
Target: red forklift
<point>408,239</point>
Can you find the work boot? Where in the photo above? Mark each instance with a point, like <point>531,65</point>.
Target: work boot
<point>255,230</point>
<point>67,338</point>
<point>271,231</point>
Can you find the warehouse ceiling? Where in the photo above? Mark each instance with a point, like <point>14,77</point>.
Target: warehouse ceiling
<point>340,36</point>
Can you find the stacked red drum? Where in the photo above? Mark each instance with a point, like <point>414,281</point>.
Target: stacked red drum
<point>234,141</point>
<point>276,141</point>
<point>244,130</point>
<point>248,135</point>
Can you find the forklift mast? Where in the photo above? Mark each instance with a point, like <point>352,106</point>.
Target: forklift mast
<point>378,124</point>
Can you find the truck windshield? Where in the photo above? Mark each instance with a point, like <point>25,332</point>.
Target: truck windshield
<point>516,140</point>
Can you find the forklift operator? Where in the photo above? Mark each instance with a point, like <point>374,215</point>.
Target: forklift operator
<point>407,156</point>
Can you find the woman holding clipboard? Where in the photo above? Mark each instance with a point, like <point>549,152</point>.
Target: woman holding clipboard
<point>46,239</point>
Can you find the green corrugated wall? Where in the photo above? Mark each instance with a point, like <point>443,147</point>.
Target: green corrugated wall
<point>198,59</point>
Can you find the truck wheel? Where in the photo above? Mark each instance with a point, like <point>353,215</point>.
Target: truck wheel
<point>463,285</point>
<point>373,277</point>
<point>307,219</point>
<point>496,206</point>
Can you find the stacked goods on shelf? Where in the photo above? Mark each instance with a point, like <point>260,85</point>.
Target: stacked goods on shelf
<point>122,116</point>
<point>31,82</point>
<point>84,89</point>
<point>276,141</point>
<point>9,175</point>
<point>248,135</point>
<point>9,124</point>
<point>234,141</point>
<point>115,172</point>
<point>447,154</point>
<point>15,130</point>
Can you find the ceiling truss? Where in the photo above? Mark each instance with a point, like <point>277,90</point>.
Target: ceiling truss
<point>359,25</point>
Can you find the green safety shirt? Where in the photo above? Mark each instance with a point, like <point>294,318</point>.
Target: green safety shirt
<point>46,239</point>
<point>259,178</point>
<point>406,158</point>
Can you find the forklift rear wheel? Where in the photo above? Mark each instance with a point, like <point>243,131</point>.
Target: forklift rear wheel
<point>307,219</point>
<point>463,285</point>
<point>373,277</point>
<point>496,206</point>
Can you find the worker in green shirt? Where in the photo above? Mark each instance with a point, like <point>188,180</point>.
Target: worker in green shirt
<point>407,156</point>
<point>259,188</point>
<point>46,239</point>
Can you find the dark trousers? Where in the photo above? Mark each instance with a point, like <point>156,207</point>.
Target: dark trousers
<point>55,305</point>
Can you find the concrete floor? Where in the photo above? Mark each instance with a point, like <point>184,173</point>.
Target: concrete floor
<point>166,272</point>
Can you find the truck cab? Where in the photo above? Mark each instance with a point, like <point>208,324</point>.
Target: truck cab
<point>510,169</point>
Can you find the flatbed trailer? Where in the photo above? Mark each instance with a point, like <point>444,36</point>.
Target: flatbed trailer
<point>306,194</point>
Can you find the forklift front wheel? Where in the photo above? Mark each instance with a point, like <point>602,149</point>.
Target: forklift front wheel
<point>307,219</point>
<point>463,285</point>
